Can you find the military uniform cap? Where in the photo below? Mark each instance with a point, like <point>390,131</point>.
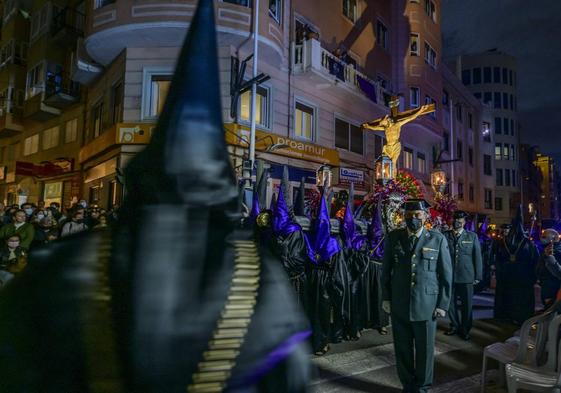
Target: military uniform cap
<point>415,204</point>
<point>460,214</point>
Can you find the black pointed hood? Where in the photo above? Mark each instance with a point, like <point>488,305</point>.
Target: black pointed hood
<point>187,160</point>
<point>516,233</point>
<point>300,203</point>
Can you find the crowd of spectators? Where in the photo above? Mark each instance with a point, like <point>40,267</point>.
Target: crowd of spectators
<point>30,226</point>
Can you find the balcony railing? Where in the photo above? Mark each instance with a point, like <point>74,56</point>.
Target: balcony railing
<point>70,20</point>
<point>310,55</point>
<point>102,3</point>
<point>61,91</point>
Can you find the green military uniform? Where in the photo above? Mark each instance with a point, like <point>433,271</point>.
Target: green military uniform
<point>417,279</point>
<point>25,231</point>
<point>467,267</point>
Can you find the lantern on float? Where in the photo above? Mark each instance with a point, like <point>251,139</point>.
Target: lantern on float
<point>383,168</point>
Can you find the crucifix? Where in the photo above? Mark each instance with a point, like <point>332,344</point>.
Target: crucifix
<point>391,125</point>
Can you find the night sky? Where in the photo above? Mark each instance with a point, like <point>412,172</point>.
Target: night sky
<point>529,31</point>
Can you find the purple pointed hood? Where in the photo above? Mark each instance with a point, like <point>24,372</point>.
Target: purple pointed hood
<point>351,239</point>
<point>282,222</point>
<point>255,208</point>
<point>376,234</point>
<point>322,245</point>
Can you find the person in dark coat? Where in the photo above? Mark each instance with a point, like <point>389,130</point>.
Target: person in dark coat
<point>467,267</point>
<point>549,272</point>
<point>515,259</point>
<point>417,288</point>
<point>175,298</point>
<point>11,255</point>
<point>45,232</point>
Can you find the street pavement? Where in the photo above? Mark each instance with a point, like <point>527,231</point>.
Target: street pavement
<point>368,365</point>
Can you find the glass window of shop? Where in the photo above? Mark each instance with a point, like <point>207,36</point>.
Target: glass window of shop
<point>52,193</point>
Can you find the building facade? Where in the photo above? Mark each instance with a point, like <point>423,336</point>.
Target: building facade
<point>491,77</point>
<point>549,199</point>
<point>531,182</point>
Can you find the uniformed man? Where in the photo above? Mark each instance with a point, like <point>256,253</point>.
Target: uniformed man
<point>417,282</point>
<point>467,268</point>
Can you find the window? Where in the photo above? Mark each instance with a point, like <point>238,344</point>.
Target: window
<point>506,151</point>
<point>496,74</point>
<point>39,21</point>
<point>497,100</point>
<point>470,121</point>
<point>471,193</point>
<point>445,98</point>
<point>414,49</point>
<point>71,131</point>
<point>461,190</point>
<point>97,119</point>
<point>505,101</point>
<point>414,97</point>
<point>488,198</point>
<point>103,3</point>
<point>498,151</point>
<point>382,35</point>
<point>487,164</point>
<point>499,178</point>
<point>510,78</point>
<point>512,127</point>
<point>505,76</point>
<point>262,107</point>
<point>486,74</point>
<point>446,141</point>
<point>31,145</point>
<point>430,9</point>
<point>350,10</point>
<point>498,204</point>
<point>155,86</point>
<point>507,177</point>
<point>478,95</point>
<point>430,100</point>
<point>511,102</point>
<point>51,138</point>
<point>35,80</point>
<point>466,77</point>
<point>275,8</point>
<point>117,100</point>
<point>514,178</point>
<point>378,145</point>
<point>487,97</point>
<point>506,124</point>
<point>430,55</point>
<point>408,158</point>
<point>498,126</point>
<point>477,76</point>
<point>512,153</point>
<point>460,150</point>
<point>14,52</point>
<point>421,163</point>
<point>304,126</point>
<point>470,156</point>
<point>349,136</point>
<point>459,112</point>
<point>486,131</point>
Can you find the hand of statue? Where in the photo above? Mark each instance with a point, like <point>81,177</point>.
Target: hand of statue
<point>386,306</point>
<point>548,251</point>
<point>439,313</point>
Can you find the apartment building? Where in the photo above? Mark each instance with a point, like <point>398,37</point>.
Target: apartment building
<point>549,199</point>
<point>42,108</point>
<point>491,77</point>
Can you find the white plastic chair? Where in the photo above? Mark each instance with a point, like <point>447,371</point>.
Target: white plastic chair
<point>546,378</point>
<point>522,351</point>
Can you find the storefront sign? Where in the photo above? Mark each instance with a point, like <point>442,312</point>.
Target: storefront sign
<point>48,169</point>
<point>294,174</point>
<point>239,135</point>
<point>348,176</point>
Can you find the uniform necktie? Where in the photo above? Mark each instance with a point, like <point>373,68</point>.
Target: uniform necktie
<point>412,242</point>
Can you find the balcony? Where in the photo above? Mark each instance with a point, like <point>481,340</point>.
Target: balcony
<point>309,56</point>
<point>115,25</point>
<point>82,68</point>
<point>61,91</point>
<point>67,26</point>
<point>34,107</point>
<point>10,121</point>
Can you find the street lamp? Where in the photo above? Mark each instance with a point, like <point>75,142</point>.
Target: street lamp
<point>438,180</point>
<point>323,176</point>
<point>383,168</point>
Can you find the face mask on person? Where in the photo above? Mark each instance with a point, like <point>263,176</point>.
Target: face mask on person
<point>84,204</point>
<point>13,244</point>
<point>28,211</point>
<point>40,216</point>
<point>457,225</point>
<point>413,223</point>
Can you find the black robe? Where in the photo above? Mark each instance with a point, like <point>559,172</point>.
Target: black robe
<point>514,295</point>
<point>357,265</point>
<point>60,333</point>
<point>376,317</point>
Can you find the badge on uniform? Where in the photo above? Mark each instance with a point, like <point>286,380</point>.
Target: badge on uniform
<point>466,242</point>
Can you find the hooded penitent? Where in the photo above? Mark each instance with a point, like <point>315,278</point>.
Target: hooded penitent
<point>516,234</point>
<point>322,245</point>
<point>349,235</point>
<point>376,234</point>
<point>300,203</point>
<point>282,223</point>
<point>147,306</point>
<point>259,193</point>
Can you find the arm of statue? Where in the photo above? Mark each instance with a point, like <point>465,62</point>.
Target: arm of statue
<point>423,110</point>
<point>375,125</point>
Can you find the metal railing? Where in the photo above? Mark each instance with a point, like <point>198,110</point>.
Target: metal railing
<point>310,54</point>
<point>61,83</point>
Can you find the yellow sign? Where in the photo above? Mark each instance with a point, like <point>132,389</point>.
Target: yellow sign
<point>119,134</point>
<point>239,136</point>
